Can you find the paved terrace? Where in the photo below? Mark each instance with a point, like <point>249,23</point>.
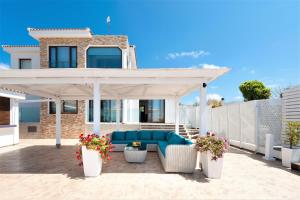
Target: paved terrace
<point>35,169</point>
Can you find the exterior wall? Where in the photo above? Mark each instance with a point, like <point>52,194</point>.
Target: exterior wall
<point>82,45</point>
<point>33,55</point>
<point>170,111</point>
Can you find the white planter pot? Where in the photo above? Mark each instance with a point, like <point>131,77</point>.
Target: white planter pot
<point>92,162</point>
<point>289,155</point>
<point>211,168</point>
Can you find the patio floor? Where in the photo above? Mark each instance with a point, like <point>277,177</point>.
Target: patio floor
<point>35,169</point>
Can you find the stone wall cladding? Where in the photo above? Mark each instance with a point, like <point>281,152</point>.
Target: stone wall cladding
<point>82,45</point>
<point>72,124</point>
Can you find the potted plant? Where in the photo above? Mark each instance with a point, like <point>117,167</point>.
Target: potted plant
<point>92,151</point>
<point>291,153</point>
<point>212,149</point>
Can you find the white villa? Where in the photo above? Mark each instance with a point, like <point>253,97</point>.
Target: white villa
<point>82,79</point>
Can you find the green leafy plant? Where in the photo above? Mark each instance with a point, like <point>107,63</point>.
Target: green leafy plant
<point>254,90</point>
<point>217,146</point>
<point>293,133</point>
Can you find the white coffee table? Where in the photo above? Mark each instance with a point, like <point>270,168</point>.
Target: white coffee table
<point>135,155</point>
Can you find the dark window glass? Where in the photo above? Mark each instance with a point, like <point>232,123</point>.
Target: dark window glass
<point>152,111</point>
<point>108,111</point>
<point>104,57</point>
<point>67,107</point>
<point>4,111</point>
<point>63,57</point>
<point>25,64</point>
<point>73,57</point>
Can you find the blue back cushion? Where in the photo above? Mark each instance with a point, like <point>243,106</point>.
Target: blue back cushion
<point>131,135</point>
<point>169,134</point>
<point>118,135</point>
<point>176,139</point>
<point>145,135</point>
<point>158,135</point>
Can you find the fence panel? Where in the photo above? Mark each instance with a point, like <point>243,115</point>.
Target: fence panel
<point>234,125</point>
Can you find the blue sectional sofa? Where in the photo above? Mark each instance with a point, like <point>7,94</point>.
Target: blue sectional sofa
<point>177,153</point>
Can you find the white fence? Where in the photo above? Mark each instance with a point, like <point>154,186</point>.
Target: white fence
<point>290,107</point>
<point>243,123</point>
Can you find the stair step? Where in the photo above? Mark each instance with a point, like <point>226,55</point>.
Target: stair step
<point>295,166</point>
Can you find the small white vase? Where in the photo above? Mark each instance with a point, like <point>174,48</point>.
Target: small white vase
<point>92,162</point>
<point>211,168</point>
<point>289,155</point>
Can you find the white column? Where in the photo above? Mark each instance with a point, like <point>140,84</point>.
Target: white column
<point>202,115</point>
<point>58,122</point>
<point>118,109</point>
<point>97,110</point>
<point>177,116</point>
<point>14,118</point>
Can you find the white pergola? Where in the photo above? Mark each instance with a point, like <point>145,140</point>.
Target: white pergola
<point>97,84</point>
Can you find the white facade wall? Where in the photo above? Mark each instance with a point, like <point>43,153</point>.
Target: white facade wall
<point>33,54</point>
<point>170,106</point>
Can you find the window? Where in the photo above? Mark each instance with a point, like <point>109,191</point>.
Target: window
<point>108,111</point>
<point>152,111</point>
<point>62,57</point>
<point>4,111</point>
<point>104,57</point>
<point>25,64</point>
<point>67,107</point>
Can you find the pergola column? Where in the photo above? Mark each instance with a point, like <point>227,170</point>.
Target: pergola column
<point>202,115</point>
<point>118,109</point>
<point>97,108</point>
<point>177,116</point>
<point>58,122</point>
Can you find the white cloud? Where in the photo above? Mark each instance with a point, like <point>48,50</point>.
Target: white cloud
<point>192,54</point>
<point>208,66</point>
<point>4,66</point>
<point>250,71</point>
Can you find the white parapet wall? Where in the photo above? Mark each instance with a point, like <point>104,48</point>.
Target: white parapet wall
<point>8,135</point>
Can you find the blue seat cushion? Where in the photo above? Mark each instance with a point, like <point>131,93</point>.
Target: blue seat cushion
<point>176,139</point>
<point>159,135</point>
<point>162,145</point>
<point>131,135</point>
<point>145,135</point>
<point>118,135</point>
<point>149,141</point>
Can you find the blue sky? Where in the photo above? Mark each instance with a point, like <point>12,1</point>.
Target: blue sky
<point>256,39</point>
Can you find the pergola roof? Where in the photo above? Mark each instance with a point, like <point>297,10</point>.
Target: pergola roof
<point>78,83</point>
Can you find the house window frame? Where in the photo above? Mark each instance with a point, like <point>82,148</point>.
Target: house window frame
<point>103,46</point>
<point>63,111</point>
<point>56,54</point>
<point>87,112</point>
<point>22,59</point>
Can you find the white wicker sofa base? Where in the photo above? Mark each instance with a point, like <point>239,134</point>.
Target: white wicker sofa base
<point>178,158</point>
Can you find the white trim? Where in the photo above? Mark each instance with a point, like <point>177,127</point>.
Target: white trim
<point>11,94</point>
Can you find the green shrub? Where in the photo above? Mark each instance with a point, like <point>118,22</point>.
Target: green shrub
<point>254,90</point>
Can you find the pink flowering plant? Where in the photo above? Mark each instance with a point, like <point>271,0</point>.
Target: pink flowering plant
<point>216,145</point>
<point>94,142</point>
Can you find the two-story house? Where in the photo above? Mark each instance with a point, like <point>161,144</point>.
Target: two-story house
<point>80,48</point>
